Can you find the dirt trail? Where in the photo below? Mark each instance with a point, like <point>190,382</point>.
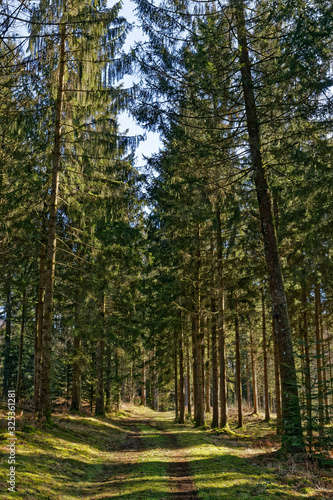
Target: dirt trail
<point>181,482</point>
<point>182,485</point>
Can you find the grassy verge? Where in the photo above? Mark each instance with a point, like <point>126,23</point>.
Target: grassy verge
<point>60,462</point>
<point>244,464</point>
<point>86,457</point>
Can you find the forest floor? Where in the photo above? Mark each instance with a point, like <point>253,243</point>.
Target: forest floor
<point>142,454</point>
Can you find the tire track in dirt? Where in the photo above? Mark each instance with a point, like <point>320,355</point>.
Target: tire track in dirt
<point>180,476</point>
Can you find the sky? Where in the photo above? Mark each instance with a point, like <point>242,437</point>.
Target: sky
<point>152,143</point>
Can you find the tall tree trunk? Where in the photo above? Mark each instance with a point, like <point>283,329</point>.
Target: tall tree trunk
<point>7,368</point>
<point>176,379</point>
<point>238,371</point>
<point>45,386</point>
<point>99,403</point>
<point>292,439</point>
<point>181,377</point>
<point>215,381</point>
<point>254,376</point>
<point>221,322</point>
<point>19,369</point>
<point>117,380</point>
<point>277,383</point>
<point>108,379</point>
<point>308,392</point>
<point>39,322</point>
<point>207,372</point>
<point>198,379</point>
<point>143,381</point>
<point>319,361</point>
<point>76,377</point>
<point>188,375</point>
<point>325,384</point>
<point>155,382</point>
<point>248,383</point>
<point>264,348</point>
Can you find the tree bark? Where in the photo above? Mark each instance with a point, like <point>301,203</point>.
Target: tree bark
<point>307,375</point>
<point>99,403</point>
<point>319,361</point>
<point>254,376</point>
<point>45,387</point>
<point>155,382</point>
<point>7,368</point>
<point>176,379</point>
<point>181,378</point>
<point>277,383</point>
<point>76,376</point>
<point>238,370</point>
<point>19,368</point>
<point>198,379</point>
<point>108,379</point>
<point>264,348</point>
<point>325,384</point>
<point>221,322</point>
<point>39,322</point>
<point>143,381</point>
<point>188,376</point>
<point>215,381</point>
<point>292,439</point>
<point>207,373</point>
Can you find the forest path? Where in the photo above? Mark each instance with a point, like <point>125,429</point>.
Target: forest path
<point>143,454</point>
<point>150,461</point>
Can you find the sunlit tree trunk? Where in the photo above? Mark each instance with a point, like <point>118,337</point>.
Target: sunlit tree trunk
<point>45,387</point>
<point>215,375</point>
<point>319,360</point>
<point>264,348</point>
<point>198,378</point>
<point>292,429</point>
<point>221,322</point>
<point>238,370</point>
<point>277,383</point>
<point>325,384</point>
<point>188,375</point>
<point>254,375</point>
